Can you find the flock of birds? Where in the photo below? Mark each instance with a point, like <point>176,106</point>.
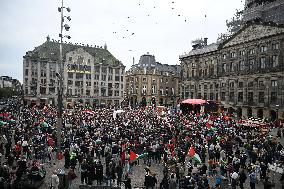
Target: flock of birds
<point>128,33</point>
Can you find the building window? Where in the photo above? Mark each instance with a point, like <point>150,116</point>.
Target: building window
<point>70,58</point>
<point>250,97</point>
<point>251,51</point>
<point>42,73</point>
<point>260,84</point>
<point>231,68</point>
<point>275,46</point>
<point>88,91</point>
<point>274,61</point>
<point>193,73</point>
<point>109,77</point>
<point>205,96</point>
<point>242,65</point>
<point>88,76</point>
<point>211,97</point>
<point>117,71</point>
<point>273,83</point>
<point>144,79</point>
<point>205,87</point>
<point>261,97</point>
<point>162,91</point>
<point>262,62</point>
<point>251,64</point>
<point>263,49</point>
<point>233,54</point>
<point>250,84</point>
<point>199,95</point>
<point>70,75</point>
<point>224,67</point>
<point>273,97</point>
<point>79,76</point>
<point>27,72</point>
<point>223,96</point>
<point>103,77</point>
<point>110,70</point>
<point>70,82</point>
<point>154,89</point>
<point>242,53</point>
<point>231,96</point>
<point>89,61</point>
<point>116,78</point>
<point>104,70</point>
<point>241,84</point>
<point>240,96</point>
<point>144,89</point>
<point>224,56</point>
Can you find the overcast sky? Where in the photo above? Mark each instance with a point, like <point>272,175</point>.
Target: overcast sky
<point>130,28</point>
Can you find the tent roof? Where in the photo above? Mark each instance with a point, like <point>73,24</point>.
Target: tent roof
<point>194,101</point>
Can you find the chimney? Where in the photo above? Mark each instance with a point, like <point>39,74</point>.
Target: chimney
<point>205,41</point>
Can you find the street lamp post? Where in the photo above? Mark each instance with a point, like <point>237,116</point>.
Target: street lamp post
<point>60,74</point>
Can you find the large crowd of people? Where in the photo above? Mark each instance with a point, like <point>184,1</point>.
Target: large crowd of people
<point>97,145</point>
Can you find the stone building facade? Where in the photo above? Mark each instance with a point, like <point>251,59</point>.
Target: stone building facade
<point>264,10</point>
<point>150,82</point>
<point>91,75</point>
<point>244,73</point>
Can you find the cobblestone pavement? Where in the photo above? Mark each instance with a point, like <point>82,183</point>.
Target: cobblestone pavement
<point>137,176</point>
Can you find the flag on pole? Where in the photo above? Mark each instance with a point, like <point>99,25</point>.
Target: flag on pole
<point>193,155</point>
<point>135,157</point>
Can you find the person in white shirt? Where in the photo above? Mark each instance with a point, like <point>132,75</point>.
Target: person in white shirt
<point>54,180</point>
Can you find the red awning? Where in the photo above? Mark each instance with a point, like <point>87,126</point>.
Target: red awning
<point>194,101</point>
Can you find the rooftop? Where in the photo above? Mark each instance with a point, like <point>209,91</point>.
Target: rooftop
<point>50,50</point>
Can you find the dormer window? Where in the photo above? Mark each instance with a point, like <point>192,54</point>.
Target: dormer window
<point>263,49</point>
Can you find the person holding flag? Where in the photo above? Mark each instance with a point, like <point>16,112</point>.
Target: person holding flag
<point>193,155</point>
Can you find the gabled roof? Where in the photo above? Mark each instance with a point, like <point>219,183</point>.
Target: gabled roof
<point>50,50</point>
<point>253,31</point>
<point>203,50</point>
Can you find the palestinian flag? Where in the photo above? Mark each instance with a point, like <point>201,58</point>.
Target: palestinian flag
<point>135,157</point>
<point>193,155</point>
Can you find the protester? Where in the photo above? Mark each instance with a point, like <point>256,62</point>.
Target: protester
<point>100,147</point>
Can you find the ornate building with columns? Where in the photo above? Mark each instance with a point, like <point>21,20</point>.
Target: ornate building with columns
<point>152,83</point>
<point>91,75</point>
<point>244,73</point>
<point>264,10</point>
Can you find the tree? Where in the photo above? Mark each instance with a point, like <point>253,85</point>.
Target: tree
<point>8,92</point>
<point>233,26</point>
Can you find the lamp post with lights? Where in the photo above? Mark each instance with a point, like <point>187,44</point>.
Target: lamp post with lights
<point>60,74</point>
